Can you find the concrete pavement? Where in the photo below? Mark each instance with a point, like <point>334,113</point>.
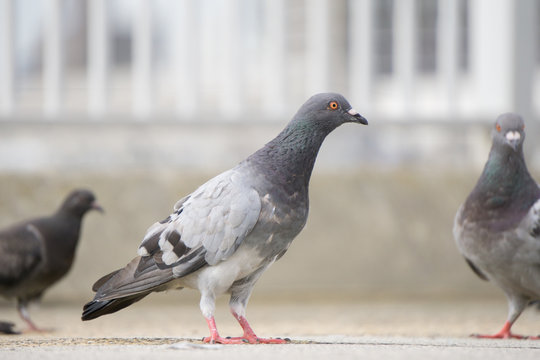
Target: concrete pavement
<point>381,329</point>
<point>331,347</point>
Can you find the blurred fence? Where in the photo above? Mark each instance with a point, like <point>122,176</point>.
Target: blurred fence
<point>400,59</point>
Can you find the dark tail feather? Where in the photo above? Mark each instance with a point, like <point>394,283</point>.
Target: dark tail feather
<point>140,276</point>
<point>126,286</point>
<point>96,308</point>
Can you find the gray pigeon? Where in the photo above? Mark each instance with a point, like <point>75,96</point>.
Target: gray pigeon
<point>35,254</point>
<point>497,229</point>
<point>224,235</point>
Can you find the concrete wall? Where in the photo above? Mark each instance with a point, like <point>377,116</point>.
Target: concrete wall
<point>370,233</point>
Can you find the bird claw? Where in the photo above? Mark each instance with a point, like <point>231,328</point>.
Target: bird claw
<point>244,340</point>
<point>275,341</point>
<point>222,340</point>
<point>248,337</point>
<point>258,340</point>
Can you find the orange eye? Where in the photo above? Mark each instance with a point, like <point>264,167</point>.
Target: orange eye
<point>498,127</point>
<point>333,105</point>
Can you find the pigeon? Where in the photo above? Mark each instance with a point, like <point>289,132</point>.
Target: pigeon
<point>497,229</point>
<point>36,253</point>
<point>223,236</point>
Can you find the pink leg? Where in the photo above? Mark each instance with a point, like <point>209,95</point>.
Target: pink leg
<point>249,334</point>
<point>214,335</point>
<point>23,312</point>
<point>505,333</point>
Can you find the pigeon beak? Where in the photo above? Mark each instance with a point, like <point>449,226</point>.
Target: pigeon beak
<point>513,138</point>
<point>97,207</point>
<point>357,117</point>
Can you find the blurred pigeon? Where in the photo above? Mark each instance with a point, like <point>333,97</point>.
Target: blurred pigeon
<point>36,253</point>
<point>223,236</point>
<point>497,229</point>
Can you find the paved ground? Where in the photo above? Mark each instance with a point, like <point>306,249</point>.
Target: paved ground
<point>318,330</point>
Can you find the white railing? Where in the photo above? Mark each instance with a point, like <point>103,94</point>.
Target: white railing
<point>6,58</point>
<point>239,58</point>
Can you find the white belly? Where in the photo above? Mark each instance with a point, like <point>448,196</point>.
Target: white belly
<point>217,279</point>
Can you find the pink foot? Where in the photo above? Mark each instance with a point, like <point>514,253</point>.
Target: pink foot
<point>214,337</point>
<point>505,333</point>
<point>257,340</point>
<point>221,340</point>
<point>505,336</point>
<point>248,338</point>
<point>249,334</point>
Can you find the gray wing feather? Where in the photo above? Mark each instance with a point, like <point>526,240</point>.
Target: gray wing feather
<point>130,280</point>
<point>20,253</point>
<point>530,225</point>
<point>216,217</point>
<point>476,270</point>
<point>534,214</point>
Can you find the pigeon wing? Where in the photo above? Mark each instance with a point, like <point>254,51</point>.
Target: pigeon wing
<point>206,227</point>
<point>476,270</point>
<point>20,253</point>
<point>531,222</point>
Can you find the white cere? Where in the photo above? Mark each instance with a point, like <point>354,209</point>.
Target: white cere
<point>513,135</point>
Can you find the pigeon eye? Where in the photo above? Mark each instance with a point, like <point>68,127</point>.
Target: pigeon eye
<point>333,105</point>
<point>498,127</point>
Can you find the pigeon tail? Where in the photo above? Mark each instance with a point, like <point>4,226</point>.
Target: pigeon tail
<point>126,286</point>
<point>96,308</point>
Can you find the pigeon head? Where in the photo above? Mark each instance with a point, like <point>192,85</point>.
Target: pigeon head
<point>508,131</point>
<point>289,158</point>
<point>78,202</point>
<point>328,111</point>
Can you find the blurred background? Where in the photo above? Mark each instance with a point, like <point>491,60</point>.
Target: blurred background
<point>142,101</point>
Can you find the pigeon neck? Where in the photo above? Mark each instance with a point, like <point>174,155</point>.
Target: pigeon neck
<point>68,213</point>
<point>506,172</point>
<point>290,156</point>
<point>505,191</point>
